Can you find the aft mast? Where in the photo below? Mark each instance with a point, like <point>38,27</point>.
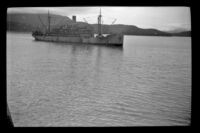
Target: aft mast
<point>49,21</point>
<point>99,24</point>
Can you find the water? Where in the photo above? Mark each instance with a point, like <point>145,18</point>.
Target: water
<point>145,83</point>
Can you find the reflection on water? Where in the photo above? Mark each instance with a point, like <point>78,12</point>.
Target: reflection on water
<point>146,82</point>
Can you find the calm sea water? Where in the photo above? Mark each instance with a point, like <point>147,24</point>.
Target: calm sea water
<point>145,83</point>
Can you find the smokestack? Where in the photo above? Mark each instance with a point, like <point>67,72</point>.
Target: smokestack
<point>74,18</point>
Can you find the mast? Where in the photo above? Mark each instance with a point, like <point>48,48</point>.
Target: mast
<point>49,20</point>
<point>99,24</point>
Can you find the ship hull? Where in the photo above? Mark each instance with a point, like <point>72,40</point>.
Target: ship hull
<point>110,40</point>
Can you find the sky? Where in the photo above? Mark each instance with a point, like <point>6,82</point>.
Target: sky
<point>162,18</point>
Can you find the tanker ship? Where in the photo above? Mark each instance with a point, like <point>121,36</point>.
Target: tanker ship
<point>74,34</point>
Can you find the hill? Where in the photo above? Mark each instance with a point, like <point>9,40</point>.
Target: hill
<point>28,22</point>
<point>184,33</point>
<point>130,30</point>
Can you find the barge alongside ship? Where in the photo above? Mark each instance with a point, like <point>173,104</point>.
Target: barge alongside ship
<point>73,34</point>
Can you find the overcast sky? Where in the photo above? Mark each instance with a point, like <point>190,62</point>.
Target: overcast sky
<point>162,18</point>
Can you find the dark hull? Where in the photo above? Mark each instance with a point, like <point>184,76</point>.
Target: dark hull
<point>112,40</point>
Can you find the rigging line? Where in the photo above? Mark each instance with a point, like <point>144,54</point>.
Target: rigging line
<point>85,20</point>
<point>41,21</point>
<point>114,21</point>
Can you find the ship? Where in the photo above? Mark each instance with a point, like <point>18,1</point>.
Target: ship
<point>74,34</point>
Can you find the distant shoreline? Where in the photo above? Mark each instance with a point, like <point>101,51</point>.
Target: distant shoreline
<point>29,32</point>
<point>19,31</point>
